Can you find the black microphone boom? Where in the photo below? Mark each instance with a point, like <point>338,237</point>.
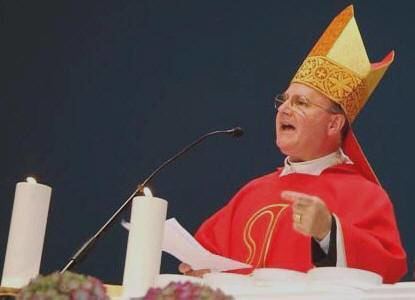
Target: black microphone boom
<point>235,132</point>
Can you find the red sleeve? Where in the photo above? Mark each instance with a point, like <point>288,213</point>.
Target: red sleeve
<point>372,240</point>
<point>209,235</point>
<point>215,233</point>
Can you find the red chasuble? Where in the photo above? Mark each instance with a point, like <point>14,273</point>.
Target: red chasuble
<point>256,225</point>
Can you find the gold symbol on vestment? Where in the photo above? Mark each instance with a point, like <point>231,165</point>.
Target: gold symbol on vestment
<point>273,213</point>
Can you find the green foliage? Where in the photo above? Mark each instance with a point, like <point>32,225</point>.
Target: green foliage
<point>66,286</point>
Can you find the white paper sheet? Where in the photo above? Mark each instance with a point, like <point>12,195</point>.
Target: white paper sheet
<point>181,244</point>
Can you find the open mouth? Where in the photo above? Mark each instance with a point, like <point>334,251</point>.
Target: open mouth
<point>287,127</point>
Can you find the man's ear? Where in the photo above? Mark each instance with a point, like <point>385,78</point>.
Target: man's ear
<point>336,124</point>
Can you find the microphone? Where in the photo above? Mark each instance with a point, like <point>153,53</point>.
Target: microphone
<point>236,132</point>
<point>82,251</point>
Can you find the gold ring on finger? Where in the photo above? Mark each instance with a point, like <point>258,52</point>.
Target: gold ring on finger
<point>297,218</point>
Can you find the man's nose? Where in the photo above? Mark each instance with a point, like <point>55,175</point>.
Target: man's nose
<point>285,107</point>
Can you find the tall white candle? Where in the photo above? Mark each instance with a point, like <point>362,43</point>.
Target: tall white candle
<point>143,258</point>
<point>26,234</point>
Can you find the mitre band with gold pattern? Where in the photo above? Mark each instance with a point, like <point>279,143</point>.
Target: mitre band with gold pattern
<point>339,67</point>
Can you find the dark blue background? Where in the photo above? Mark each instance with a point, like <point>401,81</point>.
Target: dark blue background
<point>95,94</point>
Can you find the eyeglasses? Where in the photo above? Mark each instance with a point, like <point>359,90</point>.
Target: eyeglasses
<point>298,102</point>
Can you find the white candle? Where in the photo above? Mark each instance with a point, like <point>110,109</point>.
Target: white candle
<point>26,234</point>
<point>143,258</point>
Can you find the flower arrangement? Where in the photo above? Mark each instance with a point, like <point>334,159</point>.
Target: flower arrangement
<point>66,286</point>
<point>185,291</point>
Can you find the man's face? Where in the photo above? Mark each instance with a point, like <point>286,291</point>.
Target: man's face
<point>303,131</point>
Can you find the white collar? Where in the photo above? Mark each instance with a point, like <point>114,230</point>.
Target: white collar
<point>315,166</point>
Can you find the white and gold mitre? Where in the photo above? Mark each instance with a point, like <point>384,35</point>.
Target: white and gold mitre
<point>339,67</point>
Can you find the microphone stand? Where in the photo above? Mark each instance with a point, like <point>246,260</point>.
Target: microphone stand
<point>82,251</point>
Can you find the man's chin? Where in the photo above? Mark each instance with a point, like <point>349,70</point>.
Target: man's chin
<point>285,148</point>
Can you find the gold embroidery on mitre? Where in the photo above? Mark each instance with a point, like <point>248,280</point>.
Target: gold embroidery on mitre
<point>336,82</point>
<point>273,212</point>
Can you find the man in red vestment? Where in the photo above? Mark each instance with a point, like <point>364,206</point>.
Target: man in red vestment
<point>325,206</point>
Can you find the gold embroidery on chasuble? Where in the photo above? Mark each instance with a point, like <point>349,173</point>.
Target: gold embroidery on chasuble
<point>258,246</point>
